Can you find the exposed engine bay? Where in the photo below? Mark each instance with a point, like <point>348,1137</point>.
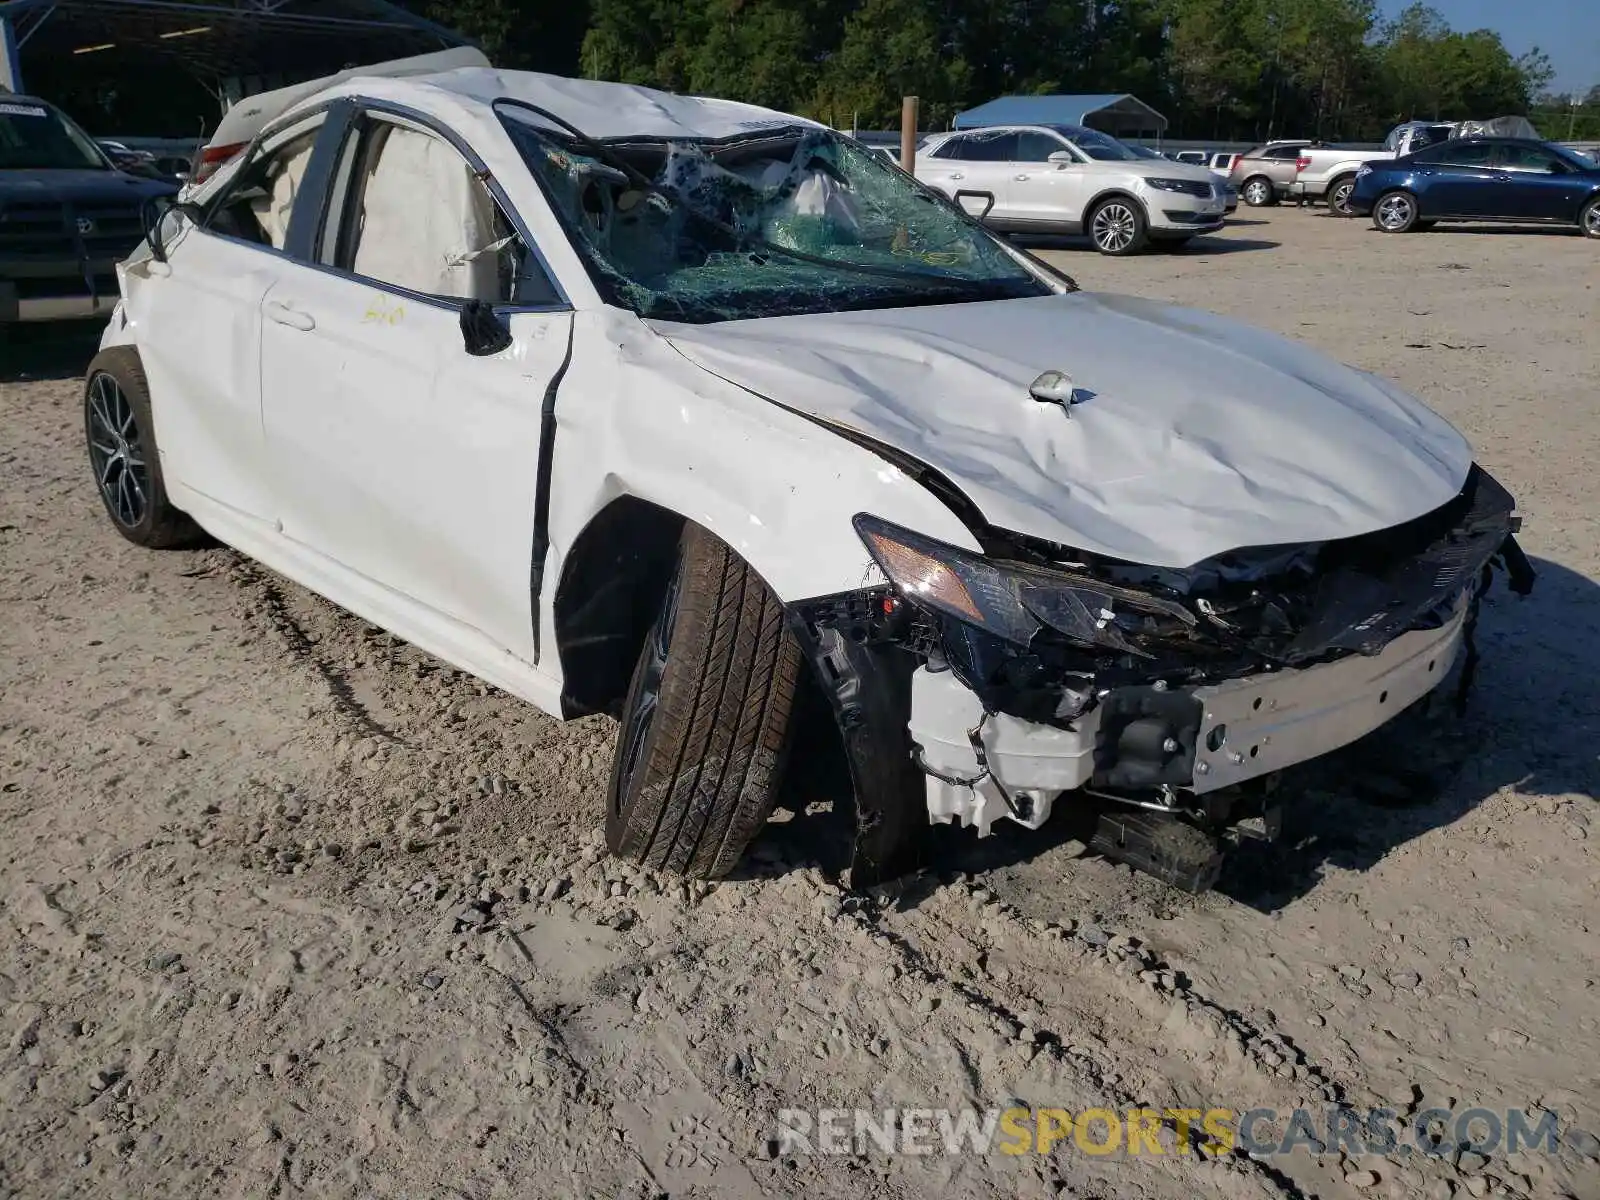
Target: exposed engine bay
<point>1174,696</point>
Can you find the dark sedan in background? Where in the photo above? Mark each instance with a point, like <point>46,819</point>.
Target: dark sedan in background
<point>1481,179</point>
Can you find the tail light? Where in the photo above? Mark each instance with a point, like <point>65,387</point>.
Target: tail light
<point>212,158</point>
<point>1301,163</point>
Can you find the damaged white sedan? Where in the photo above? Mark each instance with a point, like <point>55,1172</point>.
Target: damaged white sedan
<point>685,411</point>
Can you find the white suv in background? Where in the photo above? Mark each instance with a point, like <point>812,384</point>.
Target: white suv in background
<point>1069,179</point>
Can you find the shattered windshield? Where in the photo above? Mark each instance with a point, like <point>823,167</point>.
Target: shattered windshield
<point>784,221</point>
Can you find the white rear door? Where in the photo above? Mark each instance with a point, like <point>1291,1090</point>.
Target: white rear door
<point>400,456</point>
<point>1041,190</point>
<point>197,323</point>
<point>973,169</point>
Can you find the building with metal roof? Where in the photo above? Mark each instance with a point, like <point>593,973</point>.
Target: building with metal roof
<point>138,57</point>
<point>1118,115</point>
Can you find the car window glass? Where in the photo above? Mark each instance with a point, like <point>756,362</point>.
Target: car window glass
<point>1033,147</point>
<point>990,147</point>
<point>1276,152</point>
<point>257,205</point>
<point>415,216</point>
<point>950,148</point>
<point>1526,158</point>
<point>1461,154</point>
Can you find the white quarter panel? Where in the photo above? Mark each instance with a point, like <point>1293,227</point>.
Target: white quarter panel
<point>403,458</point>
<point>196,320</point>
<point>635,418</point>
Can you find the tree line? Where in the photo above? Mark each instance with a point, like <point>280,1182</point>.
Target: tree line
<point>1222,69</point>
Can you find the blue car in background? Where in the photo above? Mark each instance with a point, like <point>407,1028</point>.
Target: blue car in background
<point>1514,180</point>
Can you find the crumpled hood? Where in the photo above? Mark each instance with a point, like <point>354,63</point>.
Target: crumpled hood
<point>1192,434</point>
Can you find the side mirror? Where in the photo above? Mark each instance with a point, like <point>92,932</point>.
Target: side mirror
<point>1061,158</point>
<point>482,331</point>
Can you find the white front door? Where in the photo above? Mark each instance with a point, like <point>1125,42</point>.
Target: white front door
<point>398,455</point>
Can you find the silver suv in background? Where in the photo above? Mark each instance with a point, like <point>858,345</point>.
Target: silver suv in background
<point>1265,174</point>
<point>1070,179</point>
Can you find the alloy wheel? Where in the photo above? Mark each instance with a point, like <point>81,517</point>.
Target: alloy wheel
<point>1591,220</point>
<point>1339,198</point>
<point>116,454</point>
<point>637,722</point>
<point>1394,212</point>
<point>1257,193</point>
<point>1114,227</point>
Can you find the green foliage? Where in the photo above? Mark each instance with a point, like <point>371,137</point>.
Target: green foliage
<point>1217,68</point>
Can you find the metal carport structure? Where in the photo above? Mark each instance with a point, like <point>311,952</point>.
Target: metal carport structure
<point>1119,115</point>
<point>228,47</point>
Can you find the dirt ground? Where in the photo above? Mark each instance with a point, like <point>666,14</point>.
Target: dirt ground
<point>287,907</point>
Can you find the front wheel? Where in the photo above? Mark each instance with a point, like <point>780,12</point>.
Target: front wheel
<point>1339,193</point>
<point>1395,212</point>
<point>1118,228</point>
<point>1589,222</point>
<point>706,720</point>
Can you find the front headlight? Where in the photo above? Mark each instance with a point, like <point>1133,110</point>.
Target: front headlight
<point>1177,185</point>
<point>1015,600</point>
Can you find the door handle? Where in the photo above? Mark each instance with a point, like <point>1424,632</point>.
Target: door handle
<point>1503,176</point>
<point>957,175</point>
<point>1019,178</point>
<point>284,314</point>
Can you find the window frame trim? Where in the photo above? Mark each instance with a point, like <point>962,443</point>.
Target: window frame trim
<point>342,117</point>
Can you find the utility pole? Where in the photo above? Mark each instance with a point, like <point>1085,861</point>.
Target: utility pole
<point>908,134</point>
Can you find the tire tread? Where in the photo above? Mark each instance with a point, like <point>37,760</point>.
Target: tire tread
<point>713,755</point>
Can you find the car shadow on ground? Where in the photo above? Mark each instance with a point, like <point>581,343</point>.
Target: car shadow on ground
<point>1531,722</point>
<point>1203,244</point>
<point>30,353</point>
<point>1566,231</point>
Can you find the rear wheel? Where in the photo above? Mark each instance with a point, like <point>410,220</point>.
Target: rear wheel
<point>1117,227</point>
<point>1339,193</point>
<point>1395,212</point>
<point>122,453</point>
<point>1258,192</point>
<point>1589,222</point>
<point>705,723</point>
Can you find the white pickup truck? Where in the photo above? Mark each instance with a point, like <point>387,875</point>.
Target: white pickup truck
<point>1329,172</point>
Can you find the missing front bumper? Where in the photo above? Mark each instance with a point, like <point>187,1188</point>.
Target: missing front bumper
<point>1267,722</point>
<point>981,768</point>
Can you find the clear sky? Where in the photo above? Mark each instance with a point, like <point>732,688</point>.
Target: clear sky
<point>1567,30</point>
